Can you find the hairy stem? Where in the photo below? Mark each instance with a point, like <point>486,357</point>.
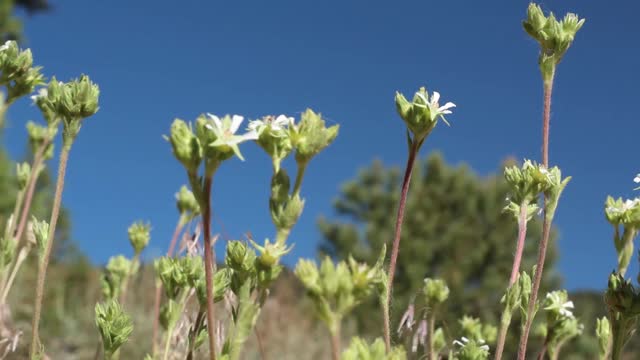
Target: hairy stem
<point>522,234</point>
<point>431,328</point>
<point>335,341</point>
<point>413,152</point>
<point>546,224</point>
<point>546,119</point>
<point>209,265</point>
<point>31,187</point>
<point>125,281</point>
<point>156,303</point>
<point>505,321</point>
<point>22,255</point>
<point>193,334</point>
<point>542,251</point>
<point>302,167</point>
<point>44,262</point>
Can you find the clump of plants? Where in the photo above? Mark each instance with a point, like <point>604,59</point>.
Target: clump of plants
<point>202,307</point>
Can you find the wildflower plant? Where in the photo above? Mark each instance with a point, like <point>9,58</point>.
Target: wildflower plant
<point>420,117</point>
<point>561,325</point>
<point>115,327</point>
<point>335,289</point>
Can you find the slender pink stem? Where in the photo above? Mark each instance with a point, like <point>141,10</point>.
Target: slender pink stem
<point>413,152</point>
<point>44,262</point>
<point>522,234</point>
<point>31,187</point>
<point>546,225</point>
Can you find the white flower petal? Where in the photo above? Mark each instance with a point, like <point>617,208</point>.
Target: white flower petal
<point>636,179</point>
<point>216,121</point>
<point>485,347</point>
<point>435,98</point>
<point>446,106</point>
<point>421,96</point>
<point>235,123</point>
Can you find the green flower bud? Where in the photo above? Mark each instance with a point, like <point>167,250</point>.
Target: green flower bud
<point>79,99</point>
<point>270,254</point>
<point>170,314</point>
<point>117,269</point>
<point>525,184</point>
<point>23,171</point>
<point>556,186</point>
<point>48,100</point>
<point>286,214</point>
<point>620,295</point>
<point>435,292</point>
<point>471,349</point>
<point>221,283</point>
<point>41,233</point>
<point>187,203</point>
<point>7,251</point>
<point>603,333</point>
<point>40,136</point>
<point>114,325</point>
<point>307,272</point>
<point>17,72</point>
<point>240,257</point>
<point>311,136</point>
<point>186,147</point>
<point>171,272</point>
<point>139,236</point>
<point>359,349</point>
<point>555,37</point>
<point>422,114</point>
<point>273,137</point>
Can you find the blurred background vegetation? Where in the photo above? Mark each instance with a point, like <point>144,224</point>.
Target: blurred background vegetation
<point>454,229</point>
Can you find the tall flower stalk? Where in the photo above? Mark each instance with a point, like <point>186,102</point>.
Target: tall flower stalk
<point>555,38</point>
<point>420,116</point>
<point>72,102</point>
<point>213,142</point>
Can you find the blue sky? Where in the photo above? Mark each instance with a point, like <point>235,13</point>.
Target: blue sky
<point>155,60</point>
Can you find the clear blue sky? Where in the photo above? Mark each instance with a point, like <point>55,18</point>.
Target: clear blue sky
<point>157,60</point>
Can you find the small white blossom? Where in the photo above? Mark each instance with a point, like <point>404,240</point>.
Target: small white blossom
<point>225,131</point>
<point>5,46</point>
<point>637,179</point>
<point>464,341</point>
<point>562,307</point>
<point>434,107</point>
<point>272,122</point>
<point>42,93</point>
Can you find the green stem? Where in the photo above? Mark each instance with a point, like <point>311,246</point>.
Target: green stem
<point>42,271</point>
<point>302,167</point>
<point>431,328</point>
<point>125,281</point>
<point>17,263</point>
<point>193,334</point>
<point>156,303</point>
<point>31,186</point>
<point>282,235</point>
<point>413,152</point>
<point>505,321</point>
<point>10,231</point>
<point>209,257</point>
<point>618,335</point>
